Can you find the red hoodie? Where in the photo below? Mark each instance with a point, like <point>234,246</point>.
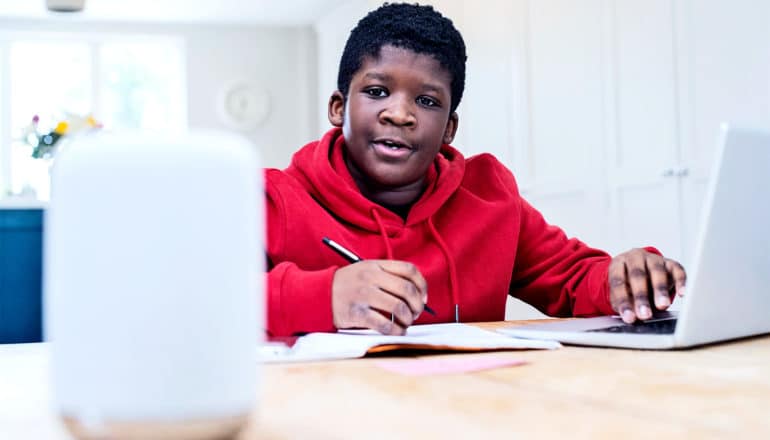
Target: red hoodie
<point>472,236</point>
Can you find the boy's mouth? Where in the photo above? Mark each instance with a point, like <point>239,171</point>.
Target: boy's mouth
<point>393,144</point>
<point>391,149</point>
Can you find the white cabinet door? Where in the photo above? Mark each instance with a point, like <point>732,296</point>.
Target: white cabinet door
<point>598,79</point>
<point>643,148</point>
<point>725,71</point>
<point>560,155</point>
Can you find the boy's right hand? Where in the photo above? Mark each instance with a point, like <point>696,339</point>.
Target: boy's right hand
<point>362,290</point>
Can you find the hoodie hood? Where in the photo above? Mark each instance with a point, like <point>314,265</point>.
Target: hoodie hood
<point>320,166</point>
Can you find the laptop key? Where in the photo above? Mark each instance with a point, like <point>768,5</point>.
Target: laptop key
<point>657,327</point>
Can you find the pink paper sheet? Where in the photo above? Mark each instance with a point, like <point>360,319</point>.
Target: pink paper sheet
<point>447,365</point>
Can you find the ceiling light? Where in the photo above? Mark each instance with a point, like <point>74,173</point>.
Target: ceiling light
<point>65,5</point>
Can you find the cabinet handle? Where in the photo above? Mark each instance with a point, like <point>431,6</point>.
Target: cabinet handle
<point>668,172</point>
<point>682,172</point>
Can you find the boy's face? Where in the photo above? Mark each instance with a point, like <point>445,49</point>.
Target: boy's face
<point>395,118</point>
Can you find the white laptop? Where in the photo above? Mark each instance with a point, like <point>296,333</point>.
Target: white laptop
<point>728,288</point>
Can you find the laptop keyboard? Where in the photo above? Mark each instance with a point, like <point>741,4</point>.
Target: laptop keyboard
<point>657,327</point>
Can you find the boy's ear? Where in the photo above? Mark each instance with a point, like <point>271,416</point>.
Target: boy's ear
<point>337,109</point>
<point>451,128</point>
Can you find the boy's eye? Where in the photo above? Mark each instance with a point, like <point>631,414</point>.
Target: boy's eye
<point>378,92</point>
<point>427,101</point>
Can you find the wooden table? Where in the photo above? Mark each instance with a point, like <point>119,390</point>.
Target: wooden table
<point>718,391</point>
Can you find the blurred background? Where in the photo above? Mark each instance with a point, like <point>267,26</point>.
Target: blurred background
<point>607,111</point>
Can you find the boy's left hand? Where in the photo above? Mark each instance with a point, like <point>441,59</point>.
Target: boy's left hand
<point>631,276</point>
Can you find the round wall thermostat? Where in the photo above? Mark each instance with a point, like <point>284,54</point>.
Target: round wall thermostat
<point>244,105</point>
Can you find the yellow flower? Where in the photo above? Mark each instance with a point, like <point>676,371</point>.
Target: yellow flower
<point>61,128</point>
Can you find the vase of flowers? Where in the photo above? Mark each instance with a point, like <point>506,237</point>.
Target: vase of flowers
<point>46,142</point>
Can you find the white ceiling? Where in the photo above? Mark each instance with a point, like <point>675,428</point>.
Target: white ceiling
<point>265,12</point>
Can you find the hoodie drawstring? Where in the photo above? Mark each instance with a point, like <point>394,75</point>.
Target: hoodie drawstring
<point>451,264</point>
<point>441,244</point>
<point>383,234</point>
<point>388,249</point>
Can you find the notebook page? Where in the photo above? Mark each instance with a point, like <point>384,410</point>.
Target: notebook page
<point>356,343</point>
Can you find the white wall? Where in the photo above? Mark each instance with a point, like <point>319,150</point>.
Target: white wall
<point>332,31</point>
<point>282,60</point>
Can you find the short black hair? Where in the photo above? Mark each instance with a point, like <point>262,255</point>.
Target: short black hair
<point>420,29</point>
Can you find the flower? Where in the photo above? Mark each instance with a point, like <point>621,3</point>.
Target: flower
<point>44,144</point>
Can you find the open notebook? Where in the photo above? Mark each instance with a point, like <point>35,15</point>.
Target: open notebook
<point>347,344</point>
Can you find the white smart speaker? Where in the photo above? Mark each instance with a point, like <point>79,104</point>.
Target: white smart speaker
<point>153,286</point>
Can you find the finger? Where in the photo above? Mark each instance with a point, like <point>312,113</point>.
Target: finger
<point>409,272</point>
<point>385,302</point>
<point>361,315</point>
<point>678,274</point>
<point>656,268</point>
<point>620,296</point>
<point>638,279</point>
<point>404,290</point>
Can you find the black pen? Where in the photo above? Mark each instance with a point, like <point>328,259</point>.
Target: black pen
<point>353,258</point>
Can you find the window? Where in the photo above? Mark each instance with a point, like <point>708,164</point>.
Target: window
<point>46,80</point>
<point>124,84</point>
<point>142,94</point>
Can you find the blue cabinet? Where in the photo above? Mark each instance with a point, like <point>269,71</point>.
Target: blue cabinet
<point>21,251</point>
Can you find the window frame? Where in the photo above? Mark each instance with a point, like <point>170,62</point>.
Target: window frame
<point>94,41</point>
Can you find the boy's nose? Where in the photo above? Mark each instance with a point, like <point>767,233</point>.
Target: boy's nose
<point>398,112</point>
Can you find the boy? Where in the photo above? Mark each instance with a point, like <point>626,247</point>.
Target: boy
<point>433,227</point>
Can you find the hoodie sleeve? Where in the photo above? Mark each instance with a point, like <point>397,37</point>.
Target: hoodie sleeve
<point>297,300</point>
<point>559,276</point>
